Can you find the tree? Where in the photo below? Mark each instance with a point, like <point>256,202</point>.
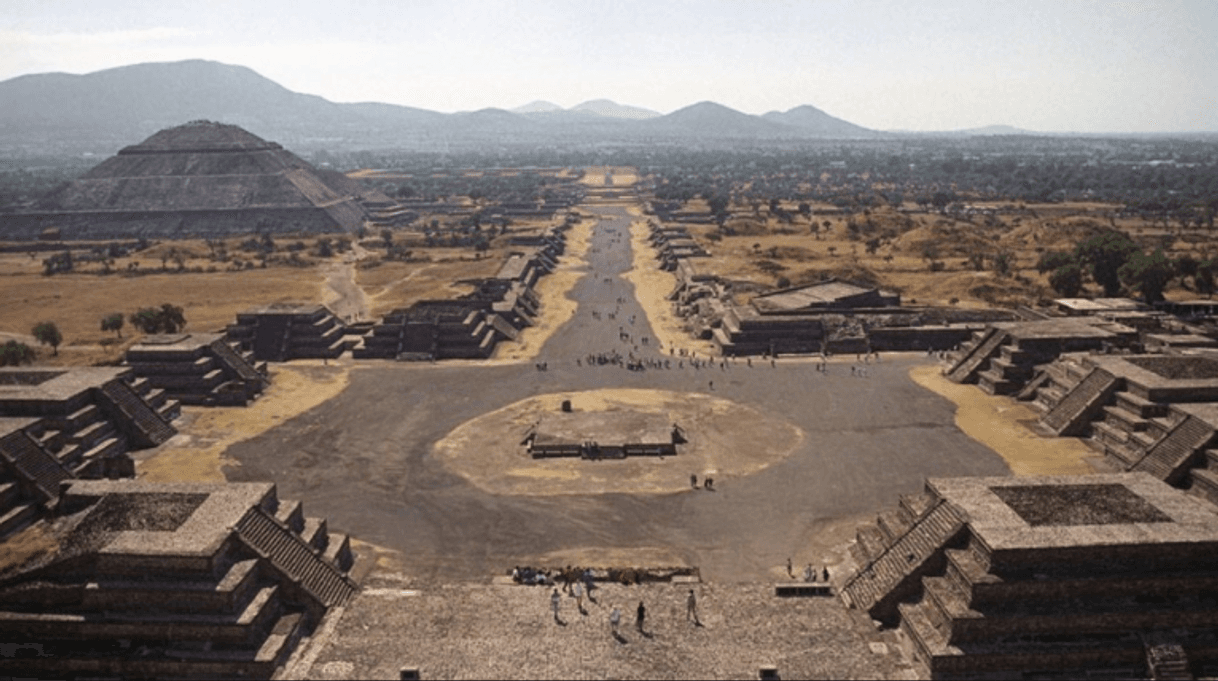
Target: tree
<point>167,319</point>
<point>1106,252</point>
<point>1149,274</point>
<point>1003,262</point>
<point>1055,260</point>
<point>113,322</point>
<point>48,334</point>
<point>13,353</point>
<point>1203,280</point>
<point>1067,280</point>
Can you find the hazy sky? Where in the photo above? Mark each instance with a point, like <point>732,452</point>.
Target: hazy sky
<point>1063,65</point>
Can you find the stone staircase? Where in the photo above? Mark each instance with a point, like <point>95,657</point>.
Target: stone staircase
<point>1071,415</point>
<point>295,558</point>
<point>893,574</point>
<point>150,428</point>
<point>1169,459</point>
<point>972,360</point>
<point>42,470</point>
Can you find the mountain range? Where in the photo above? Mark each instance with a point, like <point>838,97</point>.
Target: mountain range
<point>123,105</point>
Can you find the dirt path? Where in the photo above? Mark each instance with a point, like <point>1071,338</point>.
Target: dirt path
<point>341,293</point>
<point>652,286</point>
<point>1001,424</point>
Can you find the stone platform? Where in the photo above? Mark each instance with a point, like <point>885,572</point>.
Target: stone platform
<point>603,435</point>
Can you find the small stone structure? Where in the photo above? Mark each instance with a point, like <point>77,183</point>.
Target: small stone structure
<point>170,580</point>
<point>198,369</point>
<point>66,424</point>
<point>285,331</point>
<point>472,326</point>
<point>1056,575</point>
<point>1152,413</point>
<point>603,435</point>
<point>1002,358</point>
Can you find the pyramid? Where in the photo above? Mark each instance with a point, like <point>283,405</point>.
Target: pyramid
<point>199,179</point>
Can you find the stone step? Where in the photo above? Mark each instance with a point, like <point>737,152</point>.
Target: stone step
<point>1204,483</point>
<point>15,518</point>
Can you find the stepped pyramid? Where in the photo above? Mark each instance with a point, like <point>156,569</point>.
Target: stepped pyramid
<point>197,179</point>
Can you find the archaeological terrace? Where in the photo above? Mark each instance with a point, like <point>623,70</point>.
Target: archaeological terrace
<point>444,475</point>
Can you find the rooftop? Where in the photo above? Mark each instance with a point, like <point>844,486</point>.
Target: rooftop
<point>812,295</point>
<point>53,384</point>
<point>177,341</point>
<point>1073,511</point>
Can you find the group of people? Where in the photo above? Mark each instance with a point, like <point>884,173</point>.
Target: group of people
<point>615,614</point>
<point>809,572</point>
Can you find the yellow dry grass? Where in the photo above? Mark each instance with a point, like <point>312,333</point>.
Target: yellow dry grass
<point>391,285</point>
<point>77,302</point>
<point>26,545</point>
<point>651,288</point>
<point>556,307</point>
<point>197,453</point>
<point>1001,424</point>
<point>622,176</point>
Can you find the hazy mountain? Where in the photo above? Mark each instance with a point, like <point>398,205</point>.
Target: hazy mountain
<point>537,106</point>
<point>106,110</point>
<point>818,123</point>
<point>998,130</point>
<point>708,119</point>
<point>611,109</point>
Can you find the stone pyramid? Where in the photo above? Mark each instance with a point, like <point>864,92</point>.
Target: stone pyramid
<point>198,179</point>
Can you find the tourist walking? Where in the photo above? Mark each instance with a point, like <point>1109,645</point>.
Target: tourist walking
<point>789,572</point>
<point>640,615</point>
<point>615,618</point>
<point>578,592</point>
<point>691,608</point>
<point>555,599</point>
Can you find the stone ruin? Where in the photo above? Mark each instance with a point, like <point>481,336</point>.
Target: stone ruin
<point>68,424</point>
<point>198,369</point>
<point>134,579</point>
<point>831,316</point>
<point>472,326</point>
<point>198,179</point>
<point>1056,576</point>
<point>597,435</point>
<point>284,331</point>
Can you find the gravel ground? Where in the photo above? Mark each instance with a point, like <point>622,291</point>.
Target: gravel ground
<point>495,631</point>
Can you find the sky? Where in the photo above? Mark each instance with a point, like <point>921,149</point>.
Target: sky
<point>1057,66</point>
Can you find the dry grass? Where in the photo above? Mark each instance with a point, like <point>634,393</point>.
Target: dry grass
<point>764,250</point>
<point>1001,424</point>
<point>77,302</point>
<point>197,453</point>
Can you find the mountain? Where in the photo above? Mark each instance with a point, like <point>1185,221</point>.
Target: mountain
<point>611,109</point>
<point>709,119</point>
<point>106,110</point>
<point>537,106</point>
<point>818,123</point>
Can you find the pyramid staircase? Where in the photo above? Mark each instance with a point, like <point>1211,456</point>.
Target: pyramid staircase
<point>974,358</point>
<point>900,548</point>
<point>295,558</point>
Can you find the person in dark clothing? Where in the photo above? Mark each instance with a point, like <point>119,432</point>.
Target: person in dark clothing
<point>639,617</point>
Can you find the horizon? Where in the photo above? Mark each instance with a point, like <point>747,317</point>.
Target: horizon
<point>1083,67</point>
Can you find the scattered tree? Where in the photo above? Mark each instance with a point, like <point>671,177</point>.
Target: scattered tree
<point>48,334</point>
<point>1067,280</point>
<point>167,319</point>
<point>1106,253</point>
<point>1148,274</point>
<point>14,354</point>
<point>113,322</point>
<point>1054,260</point>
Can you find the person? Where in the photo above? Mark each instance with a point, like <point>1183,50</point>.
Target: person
<point>691,607</point>
<point>615,618</point>
<point>809,574</point>
<point>709,483</point>
<point>554,601</point>
<point>578,591</point>
<point>693,481</point>
<point>640,615</point>
<point>789,572</point>
<point>826,574</point>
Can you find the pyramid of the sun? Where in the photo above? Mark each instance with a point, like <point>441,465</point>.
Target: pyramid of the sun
<point>197,179</point>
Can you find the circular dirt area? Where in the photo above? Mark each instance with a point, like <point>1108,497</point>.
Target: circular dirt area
<point>725,440</point>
